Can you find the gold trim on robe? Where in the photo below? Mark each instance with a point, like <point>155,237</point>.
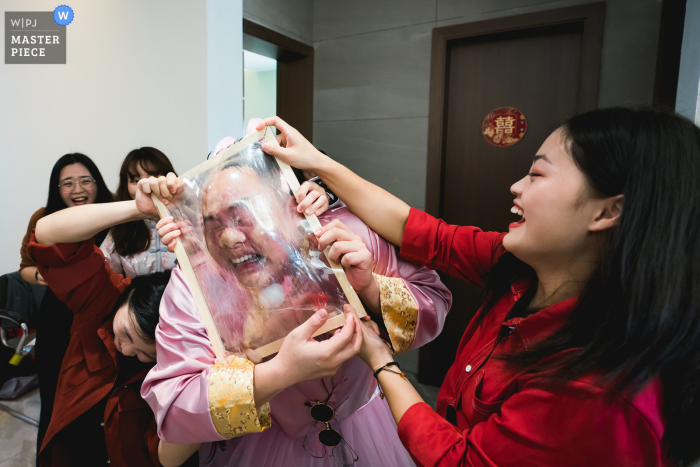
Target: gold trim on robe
<point>399,310</point>
<point>231,401</point>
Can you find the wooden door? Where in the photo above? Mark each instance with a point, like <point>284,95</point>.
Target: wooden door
<point>540,71</point>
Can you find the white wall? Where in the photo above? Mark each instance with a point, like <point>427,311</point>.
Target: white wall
<point>224,69</point>
<point>136,75</point>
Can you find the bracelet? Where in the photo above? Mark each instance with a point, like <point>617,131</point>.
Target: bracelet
<point>385,368</point>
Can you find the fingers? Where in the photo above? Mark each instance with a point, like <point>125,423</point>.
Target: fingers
<point>171,182</point>
<point>171,237</point>
<point>164,221</point>
<point>144,186</point>
<point>334,224</point>
<point>314,203</point>
<point>164,190</point>
<point>275,149</point>
<point>342,339</point>
<point>303,191</point>
<point>306,330</point>
<point>336,234</point>
<point>356,259</point>
<point>253,356</point>
<point>344,247</point>
<point>277,122</point>
<point>320,206</point>
<point>354,341</point>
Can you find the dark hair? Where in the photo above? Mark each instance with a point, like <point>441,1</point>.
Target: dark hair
<point>135,237</point>
<point>54,202</point>
<point>143,296</point>
<point>638,317</point>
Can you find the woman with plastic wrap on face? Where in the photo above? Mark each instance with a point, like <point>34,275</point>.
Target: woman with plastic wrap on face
<point>283,411</point>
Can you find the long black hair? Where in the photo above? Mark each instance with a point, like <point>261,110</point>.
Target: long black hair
<point>54,202</point>
<point>639,315</point>
<point>134,237</point>
<point>143,297</point>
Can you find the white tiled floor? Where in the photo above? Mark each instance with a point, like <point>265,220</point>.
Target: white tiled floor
<point>18,438</point>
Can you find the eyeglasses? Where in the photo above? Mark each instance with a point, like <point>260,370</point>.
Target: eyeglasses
<point>69,184</point>
<point>341,451</point>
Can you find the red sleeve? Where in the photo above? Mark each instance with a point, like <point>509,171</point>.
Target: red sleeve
<point>536,427</point>
<point>464,252</point>
<point>78,274</point>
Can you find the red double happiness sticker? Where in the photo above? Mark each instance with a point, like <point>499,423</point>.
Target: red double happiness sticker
<point>504,126</point>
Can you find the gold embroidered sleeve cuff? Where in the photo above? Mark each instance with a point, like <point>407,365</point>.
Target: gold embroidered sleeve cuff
<point>399,310</point>
<point>231,401</point>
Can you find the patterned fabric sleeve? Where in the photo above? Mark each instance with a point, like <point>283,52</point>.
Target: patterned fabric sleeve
<point>111,256</point>
<point>231,402</point>
<point>399,310</point>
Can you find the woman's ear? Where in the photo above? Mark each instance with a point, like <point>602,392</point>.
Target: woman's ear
<point>608,214</point>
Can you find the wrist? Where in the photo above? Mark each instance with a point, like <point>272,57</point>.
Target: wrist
<point>377,363</point>
<point>136,215</point>
<point>326,165</point>
<point>370,291</point>
<point>278,371</point>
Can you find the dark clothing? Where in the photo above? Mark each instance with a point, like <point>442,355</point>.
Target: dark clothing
<point>53,324</point>
<point>21,297</point>
<point>52,338</point>
<point>91,373</point>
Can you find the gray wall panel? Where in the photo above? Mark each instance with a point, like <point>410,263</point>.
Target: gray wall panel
<point>293,18</point>
<point>376,75</point>
<point>387,152</point>
<point>339,18</point>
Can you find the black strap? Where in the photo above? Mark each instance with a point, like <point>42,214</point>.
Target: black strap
<point>385,367</point>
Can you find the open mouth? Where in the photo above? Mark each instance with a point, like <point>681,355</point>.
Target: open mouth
<point>517,210</point>
<point>80,200</point>
<point>247,260</point>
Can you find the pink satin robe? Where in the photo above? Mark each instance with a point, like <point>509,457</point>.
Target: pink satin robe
<point>177,387</point>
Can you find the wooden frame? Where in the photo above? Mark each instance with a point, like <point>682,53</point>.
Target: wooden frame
<point>592,16</point>
<point>295,74</point>
<point>202,307</point>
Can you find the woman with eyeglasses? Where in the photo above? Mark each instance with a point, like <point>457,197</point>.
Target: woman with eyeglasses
<point>75,181</point>
<point>134,248</point>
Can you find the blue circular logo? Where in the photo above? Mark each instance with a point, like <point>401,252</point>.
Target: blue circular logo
<point>63,15</point>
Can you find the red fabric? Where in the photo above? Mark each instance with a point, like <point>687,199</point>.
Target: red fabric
<point>509,418</point>
<point>80,277</point>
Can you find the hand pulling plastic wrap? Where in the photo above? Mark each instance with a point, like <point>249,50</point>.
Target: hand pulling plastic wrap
<point>249,257</point>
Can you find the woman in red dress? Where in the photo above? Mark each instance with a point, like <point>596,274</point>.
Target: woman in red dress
<point>586,350</point>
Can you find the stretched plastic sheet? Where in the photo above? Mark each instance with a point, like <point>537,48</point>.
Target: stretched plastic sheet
<point>251,260</point>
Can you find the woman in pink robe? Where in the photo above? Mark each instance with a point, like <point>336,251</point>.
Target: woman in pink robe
<point>195,400</point>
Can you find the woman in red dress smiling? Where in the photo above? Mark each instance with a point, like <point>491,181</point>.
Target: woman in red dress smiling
<point>587,348</point>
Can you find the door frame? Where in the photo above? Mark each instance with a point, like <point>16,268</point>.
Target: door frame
<point>591,14</point>
<point>295,74</point>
